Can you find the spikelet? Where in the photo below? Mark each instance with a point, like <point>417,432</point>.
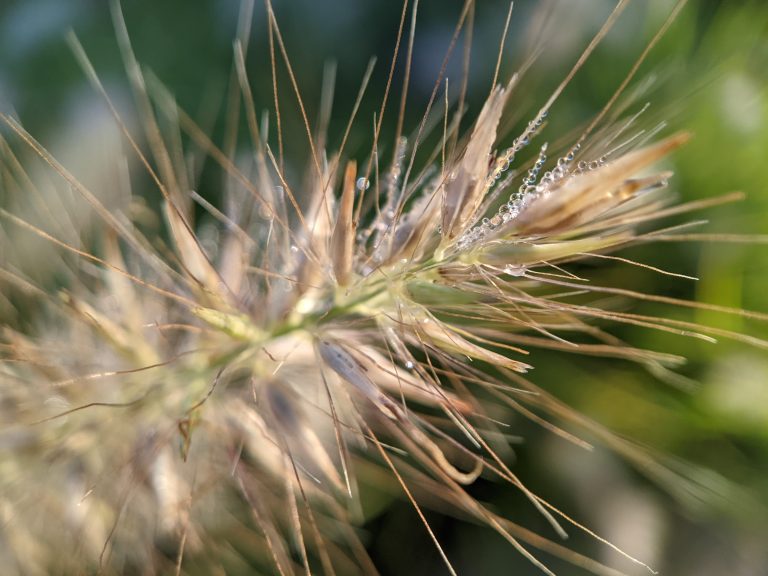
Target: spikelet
<point>197,409</point>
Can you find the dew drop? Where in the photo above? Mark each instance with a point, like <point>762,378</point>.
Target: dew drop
<point>409,365</point>
<point>514,270</point>
<point>362,184</point>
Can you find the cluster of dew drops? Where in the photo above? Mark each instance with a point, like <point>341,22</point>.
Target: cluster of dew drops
<point>531,187</point>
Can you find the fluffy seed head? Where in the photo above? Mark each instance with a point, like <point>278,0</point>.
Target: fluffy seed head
<point>364,319</point>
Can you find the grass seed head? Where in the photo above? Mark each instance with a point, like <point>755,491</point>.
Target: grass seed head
<point>363,324</point>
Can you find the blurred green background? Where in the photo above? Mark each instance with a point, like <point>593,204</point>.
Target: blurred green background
<point>708,75</point>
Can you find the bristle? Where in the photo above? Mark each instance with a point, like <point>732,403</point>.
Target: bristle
<point>342,241</point>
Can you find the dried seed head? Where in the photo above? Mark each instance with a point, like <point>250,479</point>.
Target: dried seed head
<point>366,320</point>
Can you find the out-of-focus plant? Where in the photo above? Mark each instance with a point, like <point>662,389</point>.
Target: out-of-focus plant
<point>200,382</point>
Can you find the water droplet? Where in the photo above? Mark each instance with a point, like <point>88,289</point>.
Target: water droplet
<point>294,248</point>
<point>514,270</point>
<point>362,184</point>
<point>409,365</point>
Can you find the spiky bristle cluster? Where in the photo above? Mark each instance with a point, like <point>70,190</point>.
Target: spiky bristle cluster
<point>178,398</point>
